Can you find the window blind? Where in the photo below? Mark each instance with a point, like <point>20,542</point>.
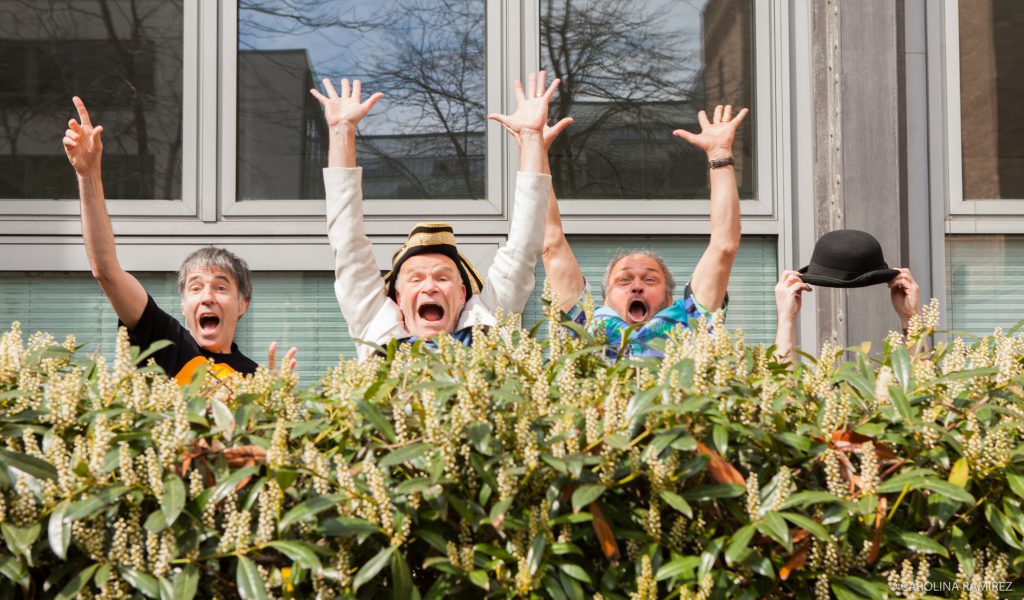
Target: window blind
<point>984,282</point>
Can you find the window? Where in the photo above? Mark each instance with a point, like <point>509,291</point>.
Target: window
<point>425,138</point>
<point>632,72</point>
<point>124,58</point>
<point>985,279</point>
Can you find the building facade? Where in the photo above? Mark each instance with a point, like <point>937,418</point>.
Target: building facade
<point>892,117</point>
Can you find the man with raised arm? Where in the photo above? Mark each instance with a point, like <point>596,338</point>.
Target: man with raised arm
<point>214,284</point>
<point>431,288</point>
<point>638,286</point>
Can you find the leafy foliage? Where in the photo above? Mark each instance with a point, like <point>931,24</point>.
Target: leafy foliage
<point>517,467</point>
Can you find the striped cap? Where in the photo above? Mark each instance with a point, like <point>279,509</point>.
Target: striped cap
<point>433,238</point>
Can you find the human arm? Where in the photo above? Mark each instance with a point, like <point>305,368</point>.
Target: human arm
<point>711,276</point>
<point>84,148</point>
<point>511,276</point>
<point>788,300</point>
<point>357,285</point>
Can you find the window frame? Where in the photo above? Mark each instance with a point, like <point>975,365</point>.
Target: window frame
<point>195,19</point>
<point>963,215</point>
<point>494,204</point>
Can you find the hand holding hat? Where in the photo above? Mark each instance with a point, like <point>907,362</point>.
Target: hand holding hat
<point>847,258</point>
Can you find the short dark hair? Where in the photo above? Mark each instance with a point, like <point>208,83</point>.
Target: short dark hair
<point>217,258</point>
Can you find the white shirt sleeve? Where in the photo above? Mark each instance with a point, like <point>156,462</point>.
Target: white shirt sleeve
<point>510,280</point>
<point>358,286</point>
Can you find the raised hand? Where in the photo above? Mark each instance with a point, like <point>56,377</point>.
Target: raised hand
<point>789,296</point>
<point>82,141</point>
<point>905,295</point>
<point>716,136</point>
<point>532,109</point>
<point>289,358</point>
<point>346,108</point>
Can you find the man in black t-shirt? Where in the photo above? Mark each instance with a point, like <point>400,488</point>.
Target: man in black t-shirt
<point>214,284</point>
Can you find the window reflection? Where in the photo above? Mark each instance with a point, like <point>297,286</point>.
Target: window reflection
<point>634,70</point>
<point>991,94</point>
<point>123,57</point>
<point>424,139</point>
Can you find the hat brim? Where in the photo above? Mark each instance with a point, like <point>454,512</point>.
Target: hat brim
<point>864,280</point>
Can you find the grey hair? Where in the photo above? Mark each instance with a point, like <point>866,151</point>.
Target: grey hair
<point>211,257</point>
<point>670,281</point>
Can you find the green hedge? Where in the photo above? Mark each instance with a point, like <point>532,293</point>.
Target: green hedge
<point>519,468</point>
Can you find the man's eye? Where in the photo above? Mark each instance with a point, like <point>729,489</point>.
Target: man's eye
<point>649,281</point>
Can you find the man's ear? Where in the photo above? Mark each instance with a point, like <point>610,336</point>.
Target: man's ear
<point>243,306</point>
<point>463,287</point>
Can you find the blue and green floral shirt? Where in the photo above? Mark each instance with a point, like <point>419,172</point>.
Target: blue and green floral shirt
<point>685,312</point>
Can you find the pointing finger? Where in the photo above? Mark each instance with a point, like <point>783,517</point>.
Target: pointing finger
<point>727,115</point>
<point>518,87</point>
<point>357,89</point>
<point>702,118</point>
<point>718,114</point>
<point>83,114</point>
<point>552,88</point>
<point>346,89</point>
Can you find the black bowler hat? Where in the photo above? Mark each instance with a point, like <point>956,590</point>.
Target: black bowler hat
<point>433,238</point>
<point>847,258</point>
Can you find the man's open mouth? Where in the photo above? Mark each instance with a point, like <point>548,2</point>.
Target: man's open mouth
<point>638,310</point>
<point>208,322</point>
<point>431,312</point>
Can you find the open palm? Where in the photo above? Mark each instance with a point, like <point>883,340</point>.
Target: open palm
<point>716,136</point>
<point>345,108</point>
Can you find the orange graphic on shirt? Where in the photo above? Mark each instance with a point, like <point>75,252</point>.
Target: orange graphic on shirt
<point>220,370</point>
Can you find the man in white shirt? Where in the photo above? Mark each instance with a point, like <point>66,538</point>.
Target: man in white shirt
<point>431,288</point>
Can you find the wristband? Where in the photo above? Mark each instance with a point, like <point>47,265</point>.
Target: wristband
<point>720,162</point>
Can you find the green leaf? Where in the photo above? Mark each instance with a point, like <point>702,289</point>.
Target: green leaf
<point>15,570</point>
<point>677,502</point>
<point>902,367</point>
<point>721,439</point>
<point>921,543</point>
<point>223,488</point>
<point>711,492</point>
<point>812,527</point>
<point>641,401</point>
<point>153,349</point>
<point>75,585</point>
<point>558,549</point>
<point>250,583</point>
<point>185,584</point>
<point>478,577</point>
<point>575,571</point>
<point>173,500</point>
<point>20,539</point>
<point>949,490</point>
<point>144,582</point>
<point>585,494</point>
<point>899,400</point>
<point>404,454</point>
<point>536,553</point>
<point>30,465</point>
<point>348,526</point>
<point>810,498</point>
<point>223,418</point>
<point>738,543</point>
<point>1001,527</point>
<point>377,419</point>
<point>1016,481</point>
<point>309,508</point>
<point>682,566</point>
<point>301,553</point>
<point>774,526</point>
<point>866,589</point>
<point>59,531</point>
<point>401,579</point>
<point>373,566</point>
<point>960,474</point>
<point>709,556</point>
<point>962,550</point>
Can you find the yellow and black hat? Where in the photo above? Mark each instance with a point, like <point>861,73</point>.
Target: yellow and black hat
<point>433,238</point>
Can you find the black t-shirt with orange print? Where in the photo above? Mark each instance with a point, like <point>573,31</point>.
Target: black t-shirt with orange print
<point>184,355</point>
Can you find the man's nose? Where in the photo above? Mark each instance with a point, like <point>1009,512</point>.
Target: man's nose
<point>207,295</point>
<point>429,284</point>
